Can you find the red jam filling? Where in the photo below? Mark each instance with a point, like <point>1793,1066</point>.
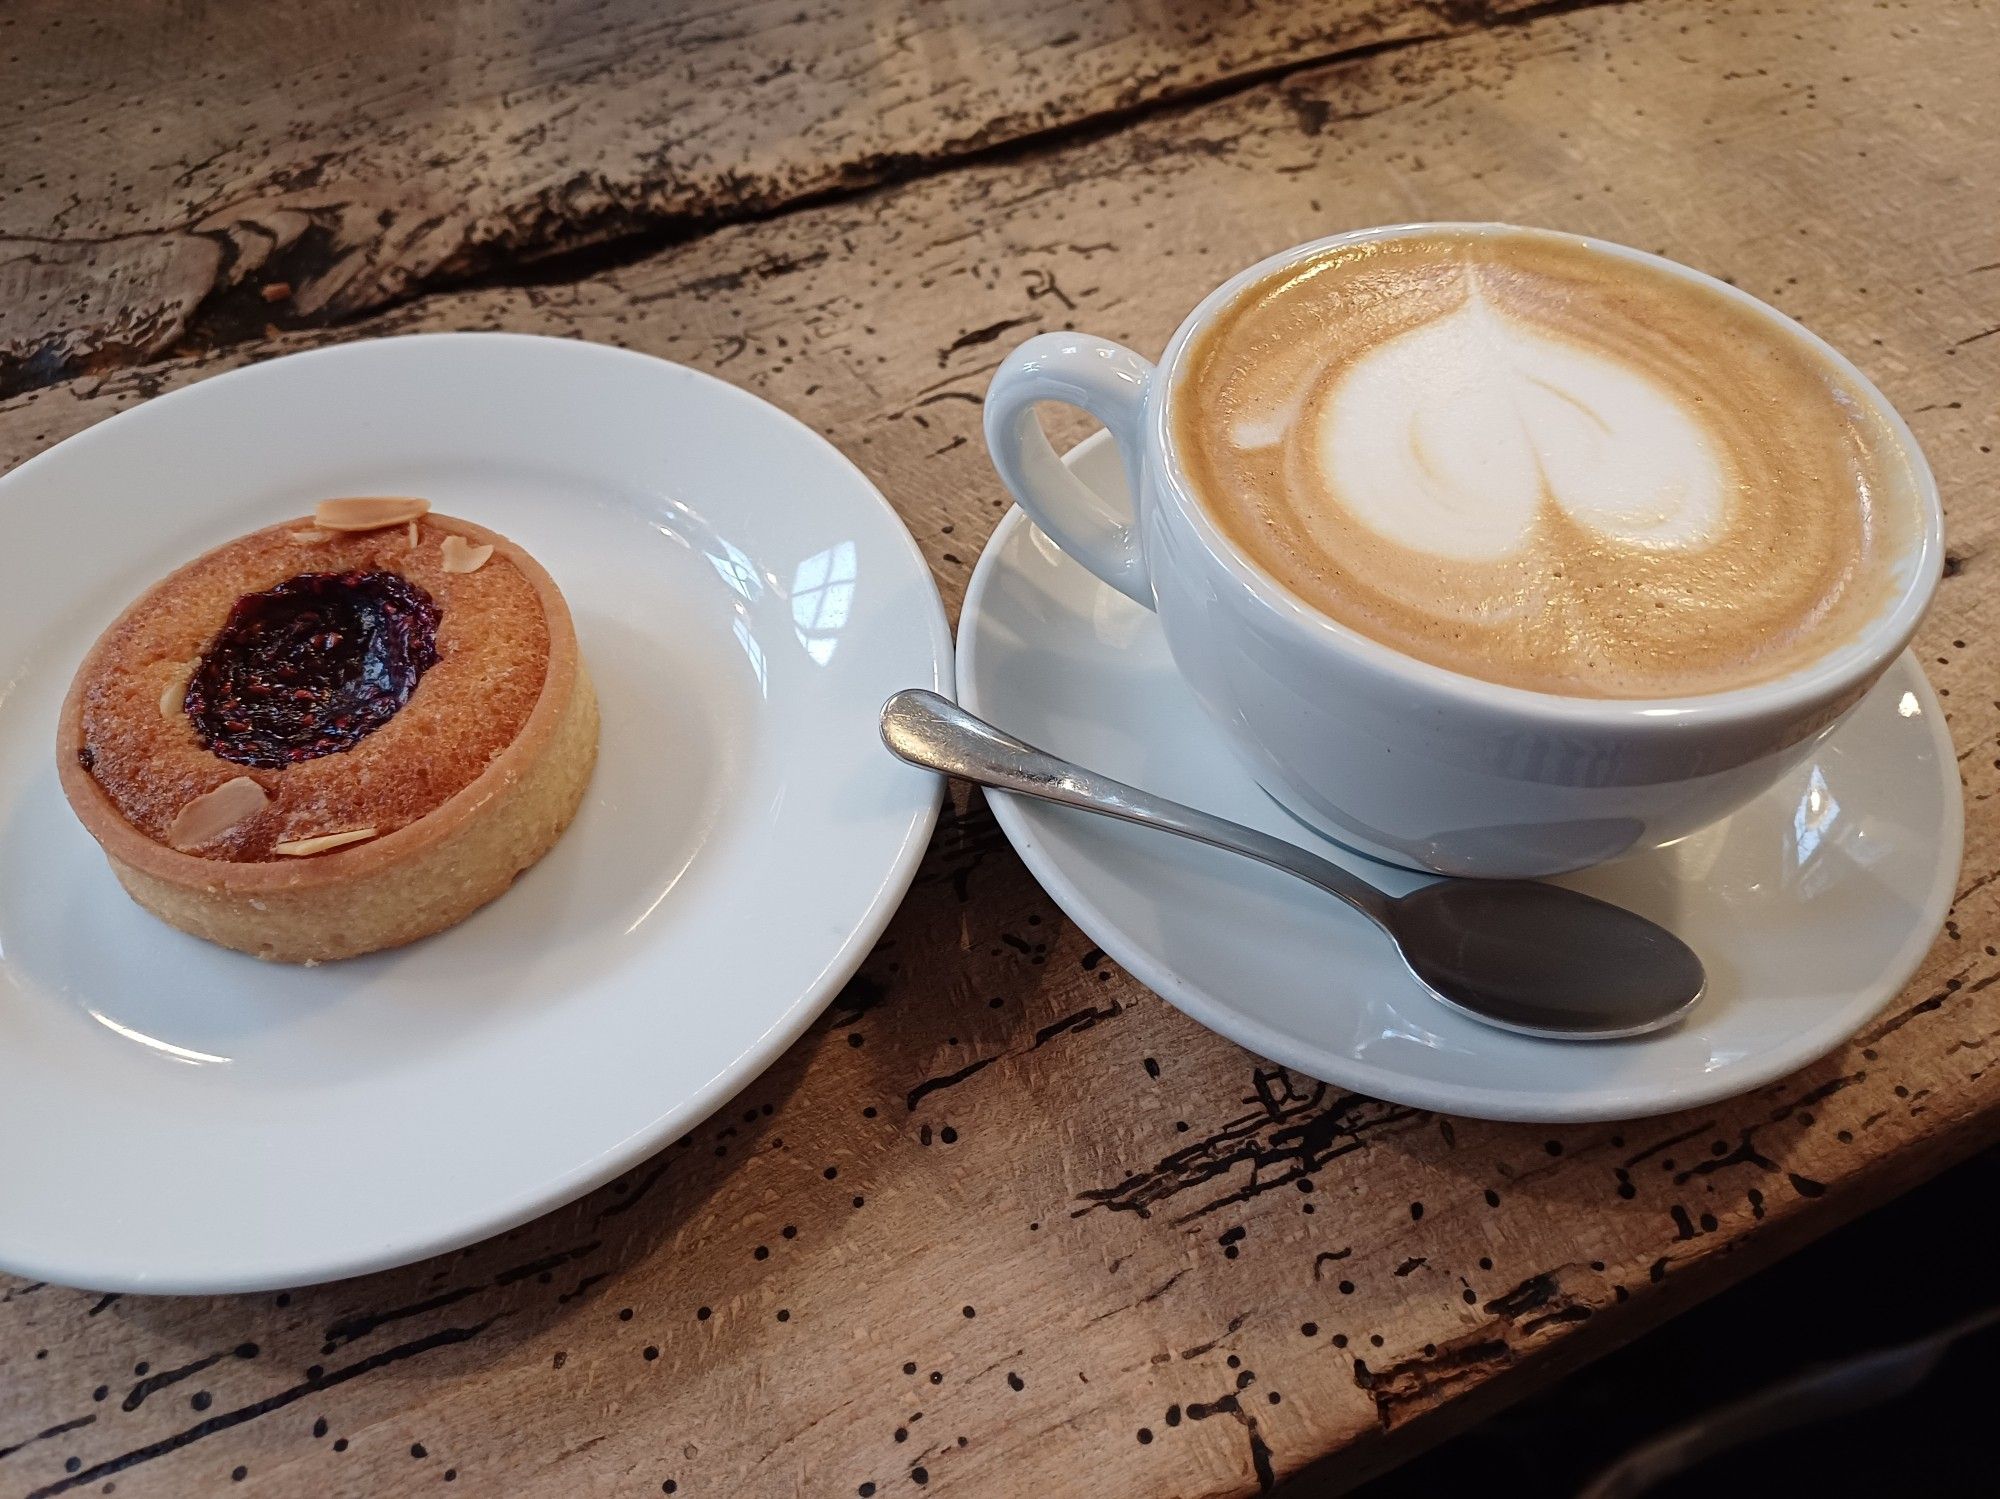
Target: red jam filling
<point>311,667</point>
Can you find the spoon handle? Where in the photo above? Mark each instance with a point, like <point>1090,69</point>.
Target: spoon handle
<point>933,732</point>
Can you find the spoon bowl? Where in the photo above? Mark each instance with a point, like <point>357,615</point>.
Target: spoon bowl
<point>1545,961</point>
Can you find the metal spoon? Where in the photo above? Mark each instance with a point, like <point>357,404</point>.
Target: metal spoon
<point>1516,954</point>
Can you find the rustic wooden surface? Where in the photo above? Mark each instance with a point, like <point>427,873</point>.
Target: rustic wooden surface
<point>191,178</point>
<point>1005,1222</point>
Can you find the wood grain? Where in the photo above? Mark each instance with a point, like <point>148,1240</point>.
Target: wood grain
<point>185,175</point>
<point>1005,1222</point>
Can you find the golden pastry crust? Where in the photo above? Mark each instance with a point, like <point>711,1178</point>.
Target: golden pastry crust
<point>493,652</point>
<point>470,781</point>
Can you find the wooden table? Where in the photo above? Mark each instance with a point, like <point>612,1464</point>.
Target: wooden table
<point>1004,1222</point>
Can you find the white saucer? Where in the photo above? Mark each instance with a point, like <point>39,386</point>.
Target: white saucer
<point>181,1118</point>
<point>1811,907</point>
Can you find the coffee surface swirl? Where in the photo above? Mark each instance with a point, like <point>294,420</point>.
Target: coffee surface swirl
<point>1529,460</point>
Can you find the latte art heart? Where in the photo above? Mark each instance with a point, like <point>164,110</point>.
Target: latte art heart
<point>1533,461</point>
<point>1450,439</point>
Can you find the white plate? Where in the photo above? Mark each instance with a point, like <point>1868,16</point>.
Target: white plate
<point>1811,907</point>
<point>181,1118</point>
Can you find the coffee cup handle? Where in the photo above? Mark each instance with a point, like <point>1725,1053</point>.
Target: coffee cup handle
<point>1110,382</point>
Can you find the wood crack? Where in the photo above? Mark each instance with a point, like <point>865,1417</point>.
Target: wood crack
<point>232,1418</point>
<point>342,266</point>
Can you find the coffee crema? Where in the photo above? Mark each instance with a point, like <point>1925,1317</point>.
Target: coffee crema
<point>1529,460</point>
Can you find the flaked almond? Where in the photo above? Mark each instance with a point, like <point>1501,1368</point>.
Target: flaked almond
<point>413,536</point>
<point>461,556</point>
<point>214,813</point>
<point>368,512</point>
<point>175,692</point>
<point>307,536</point>
<point>302,848</point>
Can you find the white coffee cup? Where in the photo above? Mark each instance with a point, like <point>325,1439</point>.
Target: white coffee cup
<point>1396,757</point>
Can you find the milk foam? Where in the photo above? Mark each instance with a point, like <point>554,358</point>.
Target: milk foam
<point>1526,459</point>
<point>1449,438</point>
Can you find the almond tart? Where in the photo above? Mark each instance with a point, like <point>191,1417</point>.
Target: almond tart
<point>338,734</point>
